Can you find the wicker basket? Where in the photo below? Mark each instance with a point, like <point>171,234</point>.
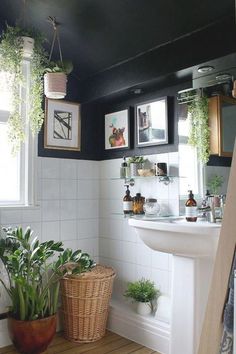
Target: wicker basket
<point>85,304</point>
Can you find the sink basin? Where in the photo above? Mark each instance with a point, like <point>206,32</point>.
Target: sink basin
<point>177,236</point>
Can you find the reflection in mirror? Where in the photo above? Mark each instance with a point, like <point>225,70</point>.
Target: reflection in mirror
<point>193,175</point>
<point>190,169</point>
<point>228,126</point>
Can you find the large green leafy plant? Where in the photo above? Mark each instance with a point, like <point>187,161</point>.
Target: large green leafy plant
<point>11,57</point>
<point>199,128</point>
<point>34,272</point>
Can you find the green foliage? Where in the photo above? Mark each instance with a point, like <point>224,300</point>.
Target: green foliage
<point>59,67</point>
<point>11,57</point>
<point>215,183</point>
<point>200,132</point>
<point>34,272</point>
<point>136,159</point>
<point>142,291</point>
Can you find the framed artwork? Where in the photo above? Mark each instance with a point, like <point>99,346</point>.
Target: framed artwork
<point>117,130</point>
<point>62,125</point>
<point>152,122</point>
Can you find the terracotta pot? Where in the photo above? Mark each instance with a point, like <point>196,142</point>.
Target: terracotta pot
<point>55,85</point>
<point>32,337</point>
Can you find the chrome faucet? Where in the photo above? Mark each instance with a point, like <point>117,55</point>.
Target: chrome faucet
<point>215,212</point>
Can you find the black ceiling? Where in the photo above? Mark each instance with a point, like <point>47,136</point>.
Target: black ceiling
<point>99,34</point>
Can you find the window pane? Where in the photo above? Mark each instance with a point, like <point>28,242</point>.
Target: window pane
<point>9,167</point>
<point>5,96</point>
<point>188,169</point>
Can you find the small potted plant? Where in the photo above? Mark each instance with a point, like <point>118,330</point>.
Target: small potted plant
<point>214,184</point>
<point>33,285</point>
<point>55,79</point>
<point>143,292</point>
<point>135,163</point>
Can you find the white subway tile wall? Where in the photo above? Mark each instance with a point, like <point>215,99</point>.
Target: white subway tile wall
<point>67,193</point>
<point>119,246</point>
<point>81,205</point>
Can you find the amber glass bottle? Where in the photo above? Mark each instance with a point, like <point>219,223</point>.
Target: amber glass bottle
<point>191,208</point>
<point>127,202</point>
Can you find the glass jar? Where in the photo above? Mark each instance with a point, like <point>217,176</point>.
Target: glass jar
<point>151,207</point>
<point>138,202</point>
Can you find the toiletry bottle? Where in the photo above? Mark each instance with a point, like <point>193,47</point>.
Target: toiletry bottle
<point>127,202</point>
<point>191,208</point>
<point>124,169</point>
<point>138,203</point>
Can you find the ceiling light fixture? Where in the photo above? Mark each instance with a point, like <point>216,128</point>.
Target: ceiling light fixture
<point>223,77</point>
<point>205,69</point>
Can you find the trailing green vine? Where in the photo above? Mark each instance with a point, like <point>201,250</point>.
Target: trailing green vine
<point>199,129</point>
<point>11,57</point>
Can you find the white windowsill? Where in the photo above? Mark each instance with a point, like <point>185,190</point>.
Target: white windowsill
<point>20,207</point>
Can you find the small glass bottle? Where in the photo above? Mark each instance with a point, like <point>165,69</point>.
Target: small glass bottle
<point>127,202</point>
<point>138,203</point>
<point>124,169</point>
<point>191,208</point>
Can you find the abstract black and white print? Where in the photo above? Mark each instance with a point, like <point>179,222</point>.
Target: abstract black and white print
<point>62,128</point>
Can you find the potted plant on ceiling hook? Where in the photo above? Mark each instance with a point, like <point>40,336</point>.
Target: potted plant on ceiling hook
<point>55,78</point>
<point>15,46</point>
<point>32,283</point>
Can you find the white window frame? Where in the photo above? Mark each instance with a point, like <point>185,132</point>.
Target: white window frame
<point>27,154</point>
<point>183,140</point>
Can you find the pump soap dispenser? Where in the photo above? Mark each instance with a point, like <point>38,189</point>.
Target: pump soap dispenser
<point>127,202</point>
<point>191,208</point>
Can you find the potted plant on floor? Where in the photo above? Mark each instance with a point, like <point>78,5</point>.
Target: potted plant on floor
<point>16,44</point>
<point>33,285</point>
<point>143,292</point>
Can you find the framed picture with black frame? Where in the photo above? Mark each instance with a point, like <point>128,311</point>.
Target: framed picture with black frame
<point>117,130</point>
<point>62,125</point>
<point>151,122</point>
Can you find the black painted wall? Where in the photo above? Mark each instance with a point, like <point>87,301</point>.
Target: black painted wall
<point>129,102</point>
<point>90,139</point>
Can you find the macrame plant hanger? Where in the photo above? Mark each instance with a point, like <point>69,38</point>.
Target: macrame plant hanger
<point>55,79</point>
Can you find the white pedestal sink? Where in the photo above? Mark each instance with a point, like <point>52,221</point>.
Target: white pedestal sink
<point>193,246</point>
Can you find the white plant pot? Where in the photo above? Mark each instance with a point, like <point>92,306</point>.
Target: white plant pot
<point>27,46</point>
<point>55,85</point>
<point>144,308</point>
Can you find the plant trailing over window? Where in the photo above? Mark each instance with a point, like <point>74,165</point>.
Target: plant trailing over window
<point>199,128</point>
<point>11,57</point>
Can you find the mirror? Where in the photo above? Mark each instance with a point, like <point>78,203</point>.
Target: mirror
<point>222,122</point>
<point>193,175</point>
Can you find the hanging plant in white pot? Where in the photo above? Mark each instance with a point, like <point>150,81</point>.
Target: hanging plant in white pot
<point>16,44</point>
<point>55,78</point>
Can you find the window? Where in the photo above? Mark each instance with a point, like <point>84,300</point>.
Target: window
<point>190,169</point>
<point>15,171</point>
